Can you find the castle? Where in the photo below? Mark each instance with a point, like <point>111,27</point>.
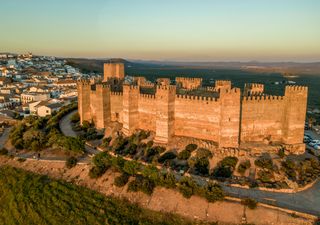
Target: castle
<point>221,114</point>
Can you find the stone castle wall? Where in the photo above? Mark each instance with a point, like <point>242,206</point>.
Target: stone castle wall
<point>226,119</point>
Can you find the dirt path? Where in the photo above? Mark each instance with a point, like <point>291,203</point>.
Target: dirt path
<point>162,199</point>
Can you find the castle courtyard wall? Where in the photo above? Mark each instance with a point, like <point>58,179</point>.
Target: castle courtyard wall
<point>262,117</point>
<point>197,117</point>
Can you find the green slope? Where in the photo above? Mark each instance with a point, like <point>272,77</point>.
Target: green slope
<point>28,198</point>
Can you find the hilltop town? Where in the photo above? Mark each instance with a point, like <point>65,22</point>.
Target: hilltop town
<point>35,85</point>
<point>221,116</point>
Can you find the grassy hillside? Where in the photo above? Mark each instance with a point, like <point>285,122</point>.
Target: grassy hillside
<point>27,198</point>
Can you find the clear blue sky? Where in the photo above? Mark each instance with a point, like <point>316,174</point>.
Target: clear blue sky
<point>266,30</point>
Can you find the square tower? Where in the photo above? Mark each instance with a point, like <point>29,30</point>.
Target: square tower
<point>113,70</point>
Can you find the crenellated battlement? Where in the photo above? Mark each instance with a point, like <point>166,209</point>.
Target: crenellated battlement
<point>178,79</point>
<point>197,98</point>
<point>147,96</point>
<point>222,82</point>
<point>296,88</point>
<point>83,82</point>
<point>102,86</point>
<point>254,85</point>
<point>166,87</point>
<point>116,93</point>
<point>255,98</point>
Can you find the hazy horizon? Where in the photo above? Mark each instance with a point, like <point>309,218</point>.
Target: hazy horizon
<point>170,30</point>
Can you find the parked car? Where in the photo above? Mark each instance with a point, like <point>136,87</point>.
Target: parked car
<point>314,142</point>
<point>317,147</point>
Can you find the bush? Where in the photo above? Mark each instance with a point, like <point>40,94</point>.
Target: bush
<point>131,167</point>
<point>222,172</point>
<point>265,176</point>
<point>75,118</point>
<point>204,153</point>
<point>281,153</point>
<point>184,155</point>
<point>141,184</point>
<point>213,192</point>
<point>71,162</point>
<point>97,171</point>
<point>251,203</point>
<point>202,166</point>
<point>191,147</point>
<point>167,180</point>
<point>167,156</point>
<point>3,151</point>
<point>121,180</point>
<point>229,161</point>
<point>243,166</point>
<point>263,162</point>
<point>187,187</point>
<point>21,160</point>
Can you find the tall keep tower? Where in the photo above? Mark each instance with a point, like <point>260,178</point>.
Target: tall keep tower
<point>165,97</point>
<point>113,70</point>
<point>295,114</point>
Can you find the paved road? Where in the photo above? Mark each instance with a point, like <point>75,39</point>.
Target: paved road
<point>307,201</point>
<point>4,137</point>
<point>65,125</point>
<point>66,129</point>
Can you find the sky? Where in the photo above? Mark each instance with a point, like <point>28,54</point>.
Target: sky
<point>176,30</point>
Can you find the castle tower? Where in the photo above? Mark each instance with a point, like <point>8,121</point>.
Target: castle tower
<point>222,85</point>
<point>84,89</point>
<point>165,97</point>
<point>130,109</point>
<point>229,136</point>
<point>100,105</point>
<point>253,89</point>
<point>295,114</point>
<point>113,70</point>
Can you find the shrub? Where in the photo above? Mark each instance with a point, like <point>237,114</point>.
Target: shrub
<point>213,192</point>
<point>151,172</point>
<point>202,166</point>
<point>3,151</point>
<point>184,155</point>
<point>97,171</point>
<point>265,176</point>
<point>204,153</point>
<point>131,167</point>
<point>71,162</point>
<point>121,180</point>
<point>229,161</point>
<point>21,159</point>
<point>251,203</point>
<point>141,184</point>
<point>186,187</point>
<point>167,180</point>
<point>167,156</point>
<point>281,153</point>
<point>106,141</point>
<point>222,172</point>
<point>243,166</point>
<point>191,147</point>
<point>263,162</point>
<point>289,167</point>
<point>75,118</point>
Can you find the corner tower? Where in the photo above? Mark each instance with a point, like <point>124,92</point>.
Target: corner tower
<point>295,114</point>
<point>84,89</point>
<point>165,97</point>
